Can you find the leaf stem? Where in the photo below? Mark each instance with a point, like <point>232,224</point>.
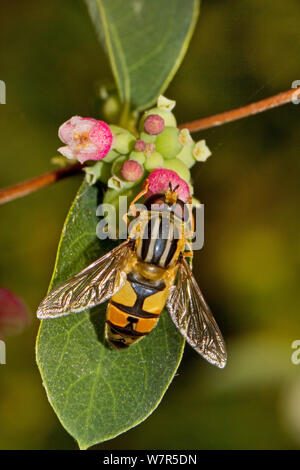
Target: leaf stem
<point>31,185</point>
<point>244,111</point>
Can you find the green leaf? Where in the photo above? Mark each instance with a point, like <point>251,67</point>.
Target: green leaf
<point>98,392</point>
<point>146,42</point>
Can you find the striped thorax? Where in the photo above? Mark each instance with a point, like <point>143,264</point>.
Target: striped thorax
<point>161,239</point>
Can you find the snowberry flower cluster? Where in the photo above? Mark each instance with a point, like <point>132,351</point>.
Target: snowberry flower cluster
<point>124,160</point>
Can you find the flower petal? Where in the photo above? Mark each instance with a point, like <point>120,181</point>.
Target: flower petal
<point>67,152</point>
<point>201,152</point>
<point>102,137</point>
<point>89,153</point>
<point>66,132</point>
<point>83,125</point>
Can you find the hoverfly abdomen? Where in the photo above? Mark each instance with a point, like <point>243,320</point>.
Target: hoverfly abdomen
<point>134,310</point>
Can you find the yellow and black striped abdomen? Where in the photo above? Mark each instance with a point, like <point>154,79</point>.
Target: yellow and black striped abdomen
<point>134,310</point>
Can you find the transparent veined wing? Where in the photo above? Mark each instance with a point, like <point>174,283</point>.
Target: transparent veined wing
<point>93,285</point>
<point>194,319</point>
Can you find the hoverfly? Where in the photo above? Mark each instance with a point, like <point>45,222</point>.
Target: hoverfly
<point>140,277</point>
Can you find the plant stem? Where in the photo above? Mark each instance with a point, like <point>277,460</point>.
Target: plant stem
<point>29,186</point>
<point>33,184</point>
<point>244,111</point>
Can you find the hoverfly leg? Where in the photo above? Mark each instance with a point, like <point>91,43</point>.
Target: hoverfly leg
<point>132,208</point>
<point>190,222</point>
<point>125,219</point>
<point>189,253</point>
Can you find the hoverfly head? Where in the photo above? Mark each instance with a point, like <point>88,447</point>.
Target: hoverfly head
<point>166,202</point>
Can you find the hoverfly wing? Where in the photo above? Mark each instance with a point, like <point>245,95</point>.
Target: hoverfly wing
<point>194,319</point>
<point>92,286</point>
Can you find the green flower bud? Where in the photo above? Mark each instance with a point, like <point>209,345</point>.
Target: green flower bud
<point>200,151</point>
<point>167,143</point>
<point>116,130</point>
<point>124,142</point>
<point>155,160</point>
<point>186,156</point>
<point>100,171</point>
<point>167,116</point>
<point>181,169</point>
<point>117,165</point>
<point>109,103</point>
<point>137,156</point>
<point>111,156</point>
<point>121,137</point>
<point>111,109</point>
<point>112,196</point>
<point>149,139</point>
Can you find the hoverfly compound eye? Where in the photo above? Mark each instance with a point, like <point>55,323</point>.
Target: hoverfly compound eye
<point>155,202</point>
<point>179,209</point>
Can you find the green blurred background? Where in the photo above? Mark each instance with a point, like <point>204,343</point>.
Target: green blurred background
<point>249,267</point>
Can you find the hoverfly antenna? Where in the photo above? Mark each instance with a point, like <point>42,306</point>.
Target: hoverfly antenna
<point>171,188</point>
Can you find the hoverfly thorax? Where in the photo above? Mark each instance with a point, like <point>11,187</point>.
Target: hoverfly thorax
<point>161,230</point>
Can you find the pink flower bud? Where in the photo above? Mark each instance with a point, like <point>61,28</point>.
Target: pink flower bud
<point>140,145</point>
<point>161,179</point>
<point>154,124</point>
<point>85,139</point>
<point>14,315</point>
<point>131,170</point>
